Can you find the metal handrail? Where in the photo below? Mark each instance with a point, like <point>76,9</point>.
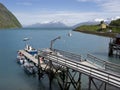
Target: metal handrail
<point>111,78</point>
<point>69,55</point>
<point>105,64</point>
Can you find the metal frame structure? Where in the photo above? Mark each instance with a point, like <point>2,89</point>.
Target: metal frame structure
<point>67,69</point>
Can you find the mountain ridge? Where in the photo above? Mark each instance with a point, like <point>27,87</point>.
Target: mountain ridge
<point>96,21</point>
<point>7,19</point>
<point>48,25</point>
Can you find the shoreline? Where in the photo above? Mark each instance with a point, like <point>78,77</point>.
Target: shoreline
<point>105,34</point>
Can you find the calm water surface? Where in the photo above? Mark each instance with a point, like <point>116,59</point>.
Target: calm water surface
<point>12,77</point>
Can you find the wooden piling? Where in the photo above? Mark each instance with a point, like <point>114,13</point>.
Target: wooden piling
<point>67,70</point>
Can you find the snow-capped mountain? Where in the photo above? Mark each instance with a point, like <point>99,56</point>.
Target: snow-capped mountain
<point>108,20</point>
<point>48,25</point>
<point>97,21</point>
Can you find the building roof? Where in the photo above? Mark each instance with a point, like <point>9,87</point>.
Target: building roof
<point>118,36</point>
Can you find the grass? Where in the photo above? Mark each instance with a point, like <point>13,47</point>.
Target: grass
<point>95,29</point>
<point>88,28</point>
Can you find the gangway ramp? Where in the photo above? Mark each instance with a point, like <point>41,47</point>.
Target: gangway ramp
<point>85,67</point>
<point>102,70</point>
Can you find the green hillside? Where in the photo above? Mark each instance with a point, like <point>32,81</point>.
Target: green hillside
<point>115,25</point>
<point>101,29</point>
<point>88,28</point>
<point>7,19</point>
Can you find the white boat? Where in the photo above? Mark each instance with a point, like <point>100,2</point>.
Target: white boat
<point>69,34</point>
<point>29,68</point>
<point>25,39</point>
<point>21,59</point>
<point>31,50</point>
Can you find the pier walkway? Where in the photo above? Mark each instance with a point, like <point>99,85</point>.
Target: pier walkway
<point>93,67</point>
<point>34,60</point>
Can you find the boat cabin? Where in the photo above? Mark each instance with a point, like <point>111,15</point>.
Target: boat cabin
<point>31,50</point>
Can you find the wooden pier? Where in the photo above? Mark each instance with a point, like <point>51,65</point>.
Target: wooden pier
<point>35,60</point>
<point>67,69</point>
<point>114,46</point>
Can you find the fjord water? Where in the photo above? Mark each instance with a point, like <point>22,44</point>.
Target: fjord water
<point>12,76</point>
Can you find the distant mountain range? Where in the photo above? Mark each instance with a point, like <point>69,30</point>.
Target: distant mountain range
<point>48,25</point>
<point>55,24</point>
<point>86,23</point>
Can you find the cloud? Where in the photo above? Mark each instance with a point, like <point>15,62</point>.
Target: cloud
<point>105,5</point>
<point>111,6</point>
<point>90,0</point>
<point>109,9</point>
<point>24,3</point>
<point>69,18</point>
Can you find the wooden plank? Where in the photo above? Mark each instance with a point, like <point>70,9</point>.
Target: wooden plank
<point>84,67</point>
<point>34,60</point>
<point>91,70</point>
<point>29,56</point>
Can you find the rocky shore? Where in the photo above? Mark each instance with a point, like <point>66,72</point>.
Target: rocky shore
<point>106,34</point>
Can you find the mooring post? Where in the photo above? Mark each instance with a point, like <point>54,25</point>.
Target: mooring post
<point>90,78</point>
<point>50,79</point>
<point>66,80</point>
<point>110,49</point>
<point>105,86</point>
<point>63,79</point>
<point>79,82</point>
<point>50,74</point>
<point>39,69</point>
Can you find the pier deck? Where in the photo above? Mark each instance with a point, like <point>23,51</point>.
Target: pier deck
<point>35,60</point>
<point>86,67</point>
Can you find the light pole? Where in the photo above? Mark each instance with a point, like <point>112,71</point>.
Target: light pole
<point>52,42</point>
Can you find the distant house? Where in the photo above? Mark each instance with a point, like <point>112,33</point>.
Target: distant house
<point>103,26</point>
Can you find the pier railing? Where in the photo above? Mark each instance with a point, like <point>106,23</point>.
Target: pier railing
<point>101,74</point>
<point>95,72</point>
<point>108,66</point>
<point>69,55</point>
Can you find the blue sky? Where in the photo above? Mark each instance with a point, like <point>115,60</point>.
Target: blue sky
<point>69,12</point>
